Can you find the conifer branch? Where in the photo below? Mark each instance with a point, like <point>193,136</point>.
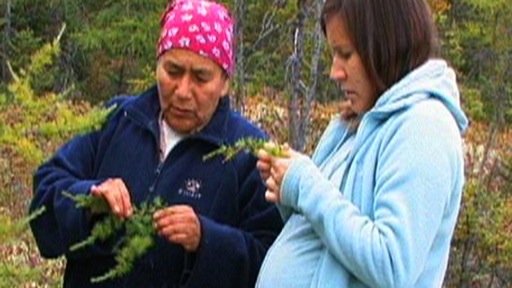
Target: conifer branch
<point>11,229</point>
<point>96,205</point>
<point>137,240</point>
<point>250,145</point>
<point>32,216</point>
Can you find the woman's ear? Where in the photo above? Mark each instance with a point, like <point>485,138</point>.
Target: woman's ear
<point>225,87</point>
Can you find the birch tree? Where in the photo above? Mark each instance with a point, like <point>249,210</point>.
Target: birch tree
<point>302,95</point>
<point>239,99</point>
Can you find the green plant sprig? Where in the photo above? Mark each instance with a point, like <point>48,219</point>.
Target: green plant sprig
<point>101,231</point>
<point>134,248</point>
<point>137,240</point>
<point>140,238</point>
<point>251,145</point>
<point>96,205</point>
<point>11,229</point>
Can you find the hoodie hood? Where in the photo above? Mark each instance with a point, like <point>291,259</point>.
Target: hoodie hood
<point>432,79</point>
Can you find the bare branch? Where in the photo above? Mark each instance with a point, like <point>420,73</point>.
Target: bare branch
<point>60,33</point>
<point>14,76</point>
<point>267,28</point>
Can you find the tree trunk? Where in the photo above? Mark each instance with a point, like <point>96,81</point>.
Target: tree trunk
<point>302,96</point>
<point>7,39</point>
<point>306,114</point>
<point>238,100</point>
<point>296,139</point>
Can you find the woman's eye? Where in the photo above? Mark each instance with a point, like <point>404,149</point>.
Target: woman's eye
<point>343,53</point>
<point>346,55</point>
<point>173,72</point>
<point>202,78</point>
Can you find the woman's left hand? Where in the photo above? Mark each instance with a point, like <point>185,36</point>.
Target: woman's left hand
<point>179,224</point>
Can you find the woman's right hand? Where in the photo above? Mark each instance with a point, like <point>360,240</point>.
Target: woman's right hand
<point>114,191</point>
<point>272,170</point>
<point>263,164</point>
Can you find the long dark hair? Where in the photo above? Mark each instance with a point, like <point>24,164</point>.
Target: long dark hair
<point>392,37</point>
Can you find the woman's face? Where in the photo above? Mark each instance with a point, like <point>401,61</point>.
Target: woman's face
<point>347,68</point>
<point>189,87</point>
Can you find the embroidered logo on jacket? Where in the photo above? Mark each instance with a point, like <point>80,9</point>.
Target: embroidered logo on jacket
<point>191,189</point>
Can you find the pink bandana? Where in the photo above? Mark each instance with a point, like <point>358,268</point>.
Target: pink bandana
<point>201,26</point>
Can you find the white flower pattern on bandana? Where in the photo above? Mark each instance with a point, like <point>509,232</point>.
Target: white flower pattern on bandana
<point>173,32</point>
<point>184,42</point>
<point>212,38</point>
<point>188,6</point>
<point>193,28</point>
<point>202,11</point>
<point>201,40</point>
<point>206,29</point>
<point>187,18</point>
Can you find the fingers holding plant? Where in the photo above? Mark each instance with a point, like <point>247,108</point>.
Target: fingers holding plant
<point>264,164</point>
<point>114,191</point>
<point>273,168</point>
<point>137,231</point>
<point>273,161</point>
<point>180,225</point>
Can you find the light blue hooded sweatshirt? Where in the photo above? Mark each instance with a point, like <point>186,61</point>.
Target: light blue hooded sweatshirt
<point>390,221</point>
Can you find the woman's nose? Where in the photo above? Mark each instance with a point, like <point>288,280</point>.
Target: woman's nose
<point>338,72</point>
<point>184,87</point>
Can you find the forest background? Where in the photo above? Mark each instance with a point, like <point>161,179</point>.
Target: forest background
<point>53,79</point>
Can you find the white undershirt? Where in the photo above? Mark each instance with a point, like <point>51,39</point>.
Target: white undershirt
<point>168,139</point>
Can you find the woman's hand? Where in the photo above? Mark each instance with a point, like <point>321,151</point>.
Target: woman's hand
<point>116,194</point>
<point>179,224</point>
<point>272,170</point>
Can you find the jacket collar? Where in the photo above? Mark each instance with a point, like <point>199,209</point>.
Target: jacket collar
<point>145,110</point>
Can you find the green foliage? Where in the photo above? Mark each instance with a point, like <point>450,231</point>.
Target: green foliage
<point>10,230</point>
<point>101,231</point>
<point>136,241</point>
<point>475,107</point>
<point>28,116</point>
<point>481,254</point>
<point>25,40</point>
<point>111,45</point>
<point>483,237</point>
<point>12,276</point>
<point>486,5</point>
<point>251,145</point>
<point>478,40</point>
<point>33,122</point>
<point>96,205</point>
<point>268,40</point>
<point>68,123</point>
<point>135,247</point>
<point>14,271</point>
<point>19,275</point>
<point>116,43</point>
<point>146,80</point>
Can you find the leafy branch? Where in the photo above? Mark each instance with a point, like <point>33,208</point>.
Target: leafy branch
<point>68,123</point>
<point>250,145</point>
<point>11,229</point>
<point>137,240</point>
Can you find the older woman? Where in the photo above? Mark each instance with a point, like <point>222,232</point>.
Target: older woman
<point>218,226</point>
